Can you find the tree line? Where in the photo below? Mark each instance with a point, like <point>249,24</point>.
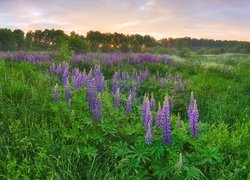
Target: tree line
<point>95,41</point>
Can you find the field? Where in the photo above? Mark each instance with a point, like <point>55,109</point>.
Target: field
<point>124,116</point>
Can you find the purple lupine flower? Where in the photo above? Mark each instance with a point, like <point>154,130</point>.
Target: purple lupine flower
<point>56,94</point>
<point>129,105</point>
<point>191,106</point>
<point>97,110</point>
<point>100,81</point>
<point>145,105</point>
<point>75,72</point>
<point>194,121</point>
<point>117,99</point>
<point>149,135</point>
<point>158,117</point>
<point>58,70</point>
<point>152,102</point>
<point>141,77</point>
<point>133,93</point>
<point>166,124</point>
<point>65,77</point>
<point>52,68</point>
<point>115,82</point>
<point>76,81</point>
<point>65,66</point>
<point>68,94</point>
<point>149,128</point>
<point>91,92</point>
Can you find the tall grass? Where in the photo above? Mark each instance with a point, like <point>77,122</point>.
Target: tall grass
<point>40,139</point>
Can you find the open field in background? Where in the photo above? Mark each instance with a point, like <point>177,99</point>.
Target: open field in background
<point>41,138</point>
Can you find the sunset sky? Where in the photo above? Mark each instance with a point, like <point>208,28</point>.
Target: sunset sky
<point>217,19</point>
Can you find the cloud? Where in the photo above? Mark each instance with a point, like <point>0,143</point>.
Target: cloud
<point>219,19</point>
<point>125,25</point>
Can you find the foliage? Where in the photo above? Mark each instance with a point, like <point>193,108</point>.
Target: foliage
<point>41,139</point>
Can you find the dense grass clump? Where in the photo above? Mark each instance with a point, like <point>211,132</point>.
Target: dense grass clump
<point>123,131</point>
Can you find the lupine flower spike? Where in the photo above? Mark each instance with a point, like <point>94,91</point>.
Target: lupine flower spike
<point>158,117</point>
<point>149,136</point>
<point>166,125</point>
<point>152,102</point>
<point>145,105</point>
<point>194,121</point>
<point>97,112</point>
<point>68,95</point>
<point>117,99</point>
<point>191,106</point>
<point>129,105</point>
<point>149,126</point>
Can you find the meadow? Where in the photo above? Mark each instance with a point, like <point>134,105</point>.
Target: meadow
<point>124,116</point>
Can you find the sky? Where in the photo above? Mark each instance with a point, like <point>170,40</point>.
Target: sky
<point>216,19</point>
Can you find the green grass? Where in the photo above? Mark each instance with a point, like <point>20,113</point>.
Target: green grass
<point>43,140</point>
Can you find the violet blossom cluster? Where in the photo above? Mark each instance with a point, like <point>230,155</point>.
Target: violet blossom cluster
<point>193,116</point>
<point>117,98</point>
<point>129,105</point>
<point>119,59</point>
<point>97,109</point>
<point>147,120</point>
<point>165,122</point>
<point>95,83</point>
<point>79,78</point>
<point>33,58</point>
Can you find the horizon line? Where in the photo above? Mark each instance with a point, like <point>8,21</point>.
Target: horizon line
<point>133,33</point>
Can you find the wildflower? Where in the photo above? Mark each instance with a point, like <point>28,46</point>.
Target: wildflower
<point>194,121</point>
<point>191,106</point>
<point>152,102</point>
<point>158,117</point>
<point>68,94</point>
<point>117,99</point>
<point>149,135</point>
<point>115,82</point>
<point>97,112</point>
<point>166,125</point>
<point>65,77</point>
<point>149,126</point>
<point>145,106</point>
<point>52,68</point>
<point>58,70</point>
<point>99,78</point>
<point>91,92</point>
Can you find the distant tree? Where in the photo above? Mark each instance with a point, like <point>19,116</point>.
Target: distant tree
<point>7,40</point>
<point>29,40</point>
<point>19,36</point>
<point>78,44</point>
<point>124,48</point>
<point>149,41</point>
